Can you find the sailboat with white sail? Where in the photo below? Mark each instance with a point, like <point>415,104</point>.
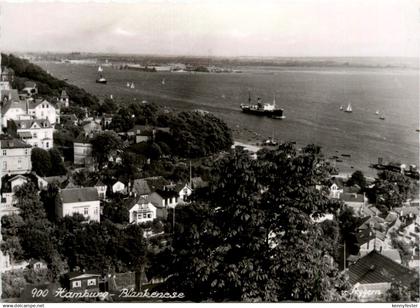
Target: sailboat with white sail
<point>100,78</point>
<point>349,108</point>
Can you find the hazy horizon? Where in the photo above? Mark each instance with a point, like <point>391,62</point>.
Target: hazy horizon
<point>261,29</point>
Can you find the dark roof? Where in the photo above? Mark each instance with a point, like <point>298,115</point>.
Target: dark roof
<point>348,197</point>
<point>166,193</point>
<point>352,189</point>
<point>376,268</point>
<point>30,84</point>
<point>79,194</point>
<point>156,182</point>
<point>365,235</point>
<point>13,103</point>
<point>26,124</point>
<point>338,181</point>
<point>74,275</point>
<point>141,187</point>
<point>12,143</point>
<point>64,94</point>
<point>33,104</point>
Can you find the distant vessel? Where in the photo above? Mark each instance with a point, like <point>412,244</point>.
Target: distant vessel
<point>349,109</point>
<point>100,78</point>
<point>377,112</point>
<point>163,81</point>
<point>382,117</point>
<point>132,86</point>
<point>341,107</point>
<point>128,84</point>
<point>263,109</point>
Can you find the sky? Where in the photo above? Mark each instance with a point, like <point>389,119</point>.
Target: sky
<point>283,28</point>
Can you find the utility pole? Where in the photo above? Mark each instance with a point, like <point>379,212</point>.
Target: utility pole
<point>344,257</point>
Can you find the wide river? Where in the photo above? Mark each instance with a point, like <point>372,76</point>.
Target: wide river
<point>311,98</point>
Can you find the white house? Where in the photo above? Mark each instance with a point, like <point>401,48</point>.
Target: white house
<point>14,110</point>
<point>84,201</point>
<point>101,188</point>
<point>118,187</point>
<point>337,187</point>
<point>37,133</point>
<point>43,109</point>
<point>142,211</point>
<point>165,198</point>
<point>16,156</point>
<point>184,193</point>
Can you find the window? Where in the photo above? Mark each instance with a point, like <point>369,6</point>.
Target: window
<point>86,211</point>
<point>76,284</point>
<point>5,165</point>
<point>37,266</point>
<point>149,215</point>
<point>144,216</point>
<point>91,282</point>
<point>47,144</point>
<point>19,164</point>
<point>34,135</point>
<point>26,151</point>
<point>95,212</point>
<point>4,152</point>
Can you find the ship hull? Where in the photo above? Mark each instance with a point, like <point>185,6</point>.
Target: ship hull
<point>275,114</point>
<point>101,81</point>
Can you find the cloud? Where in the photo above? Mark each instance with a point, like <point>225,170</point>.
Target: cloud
<point>123,32</point>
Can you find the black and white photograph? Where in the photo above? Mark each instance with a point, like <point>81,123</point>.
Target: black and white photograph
<point>199,151</point>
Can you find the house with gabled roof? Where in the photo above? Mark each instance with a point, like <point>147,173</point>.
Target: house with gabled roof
<point>375,272</point>
<point>101,188</point>
<point>142,210</point>
<point>83,200</point>
<point>43,109</point>
<point>36,132</point>
<point>336,188</point>
<point>84,281</point>
<point>140,188</point>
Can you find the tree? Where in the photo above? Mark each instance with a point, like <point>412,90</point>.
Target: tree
<point>397,293</point>
<point>108,106</point>
<point>357,178</point>
<point>41,162</point>
<point>103,144</point>
<point>36,233</point>
<point>57,165</point>
<point>391,189</point>
<point>251,236</point>
<point>349,223</point>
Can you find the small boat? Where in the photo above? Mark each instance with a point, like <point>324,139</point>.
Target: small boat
<point>382,117</point>
<point>341,107</point>
<point>132,86</point>
<point>163,81</point>
<point>111,96</point>
<point>345,155</point>
<point>348,109</point>
<point>100,78</point>
<point>128,84</point>
<point>377,112</point>
<point>339,160</point>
